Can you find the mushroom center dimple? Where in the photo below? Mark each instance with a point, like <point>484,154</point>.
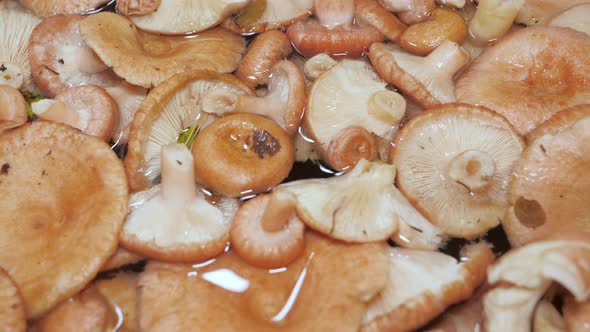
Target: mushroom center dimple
<point>473,166</point>
<point>529,213</point>
<point>472,169</point>
<point>11,75</point>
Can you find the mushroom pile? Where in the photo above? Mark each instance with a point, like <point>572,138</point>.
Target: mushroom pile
<point>294,165</point>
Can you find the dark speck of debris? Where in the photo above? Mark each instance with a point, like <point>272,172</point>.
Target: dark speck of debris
<point>38,183</point>
<point>421,147</point>
<point>179,162</point>
<point>561,196</point>
<point>5,168</point>
<point>51,70</point>
<point>44,172</point>
<point>543,148</point>
<point>263,143</point>
<point>3,68</point>
<point>61,61</point>
<point>364,232</point>
<point>417,229</point>
<point>48,153</point>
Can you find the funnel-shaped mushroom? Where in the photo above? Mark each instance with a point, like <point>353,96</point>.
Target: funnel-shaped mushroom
<point>122,292</point>
<point>493,18</point>
<point>171,222</point>
<point>576,18</point>
<point>576,314</point>
<point>422,284</point>
<point>58,186</point>
<point>168,110</point>
<point>230,295</point>
<point>16,26</point>
<point>12,308</point>
<point>538,12</point>
<point>529,75</point>
<point>45,8</point>
<point>262,15</point>
<point>549,189</point>
<point>427,80</point>
<point>410,11</point>
<point>147,59</point>
<point>454,164</point>
<point>13,108</point>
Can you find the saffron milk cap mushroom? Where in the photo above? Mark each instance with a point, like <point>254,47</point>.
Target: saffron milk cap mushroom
<point>12,314</point>
<point>13,108</point>
<point>46,8</point>
<point>262,15</point>
<point>574,17</point>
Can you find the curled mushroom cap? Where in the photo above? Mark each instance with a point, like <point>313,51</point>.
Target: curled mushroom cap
<point>549,190</point>
<point>88,108</point>
<point>16,26</point>
<point>45,8</point>
<point>120,258</point>
<point>538,12</point>
<point>576,314</point>
<point>147,59</point>
<point>529,75</point>
<point>427,80</point>
<point>242,154</point>
<point>493,18</point>
<point>575,17</point>
<point>12,309</point>
<point>122,293</point>
<point>230,295</point>
<point>465,156</point>
<point>410,11</point>
<point>562,120</point>
<point>13,108</point>
<point>66,188</point>
<point>370,12</point>
<point>262,15</point>
<point>422,284</point>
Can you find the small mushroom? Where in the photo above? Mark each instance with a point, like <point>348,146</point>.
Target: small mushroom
<point>422,284</point>
<point>284,103</point>
<point>12,307</point>
<point>266,231</point>
<point>370,12</point>
<point>13,108</point>
<point>128,98</point>
<point>529,75</point>
<point>120,258</point>
<point>576,314</point>
<point>575,17</point>
<point>146,59</point>
<point>88,108</point>
<point>263,15</point>
<point>539,12</point>
<point>317,65</point>
<point>16,26</point>
<point>454,164</point>
<point>121,292</point>
<point>410,11</point>
<point>241,155</point>
<point>493,18</point>
<point>46,8</point>
<point>547,319</point>
<point>137,7</point>
<point>171,222</point>
<point>427,80</point>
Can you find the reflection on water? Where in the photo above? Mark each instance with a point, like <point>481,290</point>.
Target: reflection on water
<point>227,279</point>
<point>294,293</point>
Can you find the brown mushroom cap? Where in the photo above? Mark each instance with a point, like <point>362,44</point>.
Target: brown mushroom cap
<point>45,8</point>
<point>13,108</point>
<point>122,293</point>
<point>538,12</point>
<point>529,75</point>
<point>12,308</point>
<point>65,188</point>
<point>576,314</point>
<point>575,17</point>
<point>230,295</point>
<point>370,12</point>
<point>263,15</point>
<point>549,189</point>
<point>120,258</point>
<point>147,59</point>
<point>242,154</point>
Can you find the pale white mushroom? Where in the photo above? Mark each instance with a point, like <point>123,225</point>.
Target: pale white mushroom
<point>576,17</point>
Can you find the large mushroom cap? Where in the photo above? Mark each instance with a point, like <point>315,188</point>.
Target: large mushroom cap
<point>263,15</point>
<point>454,164</point>
<point>550,187</point>
<point>538,12</point>
<point>179,17</point>
<point>230,295</point>
<point>45,8</point>
<point>12,308</point>
<point>146,59</point>
<point>60,188</point>
<point>529,75</point>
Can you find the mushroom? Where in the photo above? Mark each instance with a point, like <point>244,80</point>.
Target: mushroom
<point>88,108</point>
<point>46,8</point>
<point>146,59</point>
<point>13,108</point>
<point>265,51</point>
<point>493,18</point>
<point>576,314</point>
<point>284,103</point>
<point>121,292</point>
<point>128,98</point>
<point>262,15</point>
<point>454,164</point>
<point>410,11</point>
<point>452,3</point>
<point>317,65</point>
<point>241,155</point>
<point>64,187</point>
<point>178,17</point>
<point>351,94</point>
<point>427,80</point>
<point>548,191</point>
<point>370,12</point>
<point>167,111</point>
<point>538,12</point>
<point>120,258</point>
<point>171,222</point>
<point>12,309</point>
<point>529,75</point>
<point>15,30</point>
<point>574,17</point>
<point>510,308</point>
<point>562,120</point>
<point>230,295</point>
<point>422,284</point>
<point>464,317</point>
<point>266,231</point>
<point>547,319</point>
<point>137,7</point>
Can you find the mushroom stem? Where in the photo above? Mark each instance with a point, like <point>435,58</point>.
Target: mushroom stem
<point>178,178</point>
<point>317,65</point>
<point>56,111</point>
<point>387,106</point>
<point>11,75</point>
<point>333,13</point>
<point>493,18</point>
<point>473,169</point>
<point>222,101</point>
<point>278,211</point>
<point>449,57</point>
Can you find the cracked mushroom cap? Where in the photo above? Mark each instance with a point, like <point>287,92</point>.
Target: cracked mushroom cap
<point>576,314</point>
<point>46,8</point>
<point>262,15</point>
<point>454,164</point>
<point>13,108</point>
<point>575,17</point>
<point>529,75</point>
<point>539,12</point>
<point>167,111</point>
<point>230,295</point>
<point>549,188</point>
<point>146,59</point>
<point>178,17</point>
<point>64,187</point>
<point>12,307</point>
<point>422,284</point>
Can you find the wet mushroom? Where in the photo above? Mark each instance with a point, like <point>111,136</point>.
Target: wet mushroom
<point>562,120</point>
<point>465,317</point>
<point>370,12</point>
<point>575,17</point>
<point>410,11</point>
<point>146,59</point>
<point>284,103</point>
<point>538,12</point>
<point>529,75</point>
<point>547,319</point>
<point>262,15</point>
<point>427,80</point>
<point>121,292</point>
<point>422,284</point>
<point>317,65</point>
<point>13,108</point>
<point>64,187</point>
<point>137,7</point>
<point>493,18</point>
<point>120,258</point>
<point>576,314</point>
<point>454,164</point>
<point>128,98</point>
<point>452,3</point>
<point>12,307</point>
<point>46,8</point>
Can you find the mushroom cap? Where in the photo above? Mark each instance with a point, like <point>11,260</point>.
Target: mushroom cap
<point>120,258</point>
<point>12,308</point>
<point>426,147</point>
<point>350,145</point>
<point>370,12</point>
<point>178,17</point>
<point>562,120</point>
<point>422,284</point>
<point>121,292</point>
<point>263,15</point>
<point>45,8</point>
<point>168,109</point>
<point>58,54</point>
<point>285,75</point>
<point>538,12</point>
<point>207,298</point>
<point>128,98</point>
<point>242,154</point>
<point>549,188</point>
<point>13,108</point>
<point>64,187</point>
<point>574,17</point>
<point>146,59</point>
<point>509,308</point>
<point>529,75</point>
<point>576,314</point>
